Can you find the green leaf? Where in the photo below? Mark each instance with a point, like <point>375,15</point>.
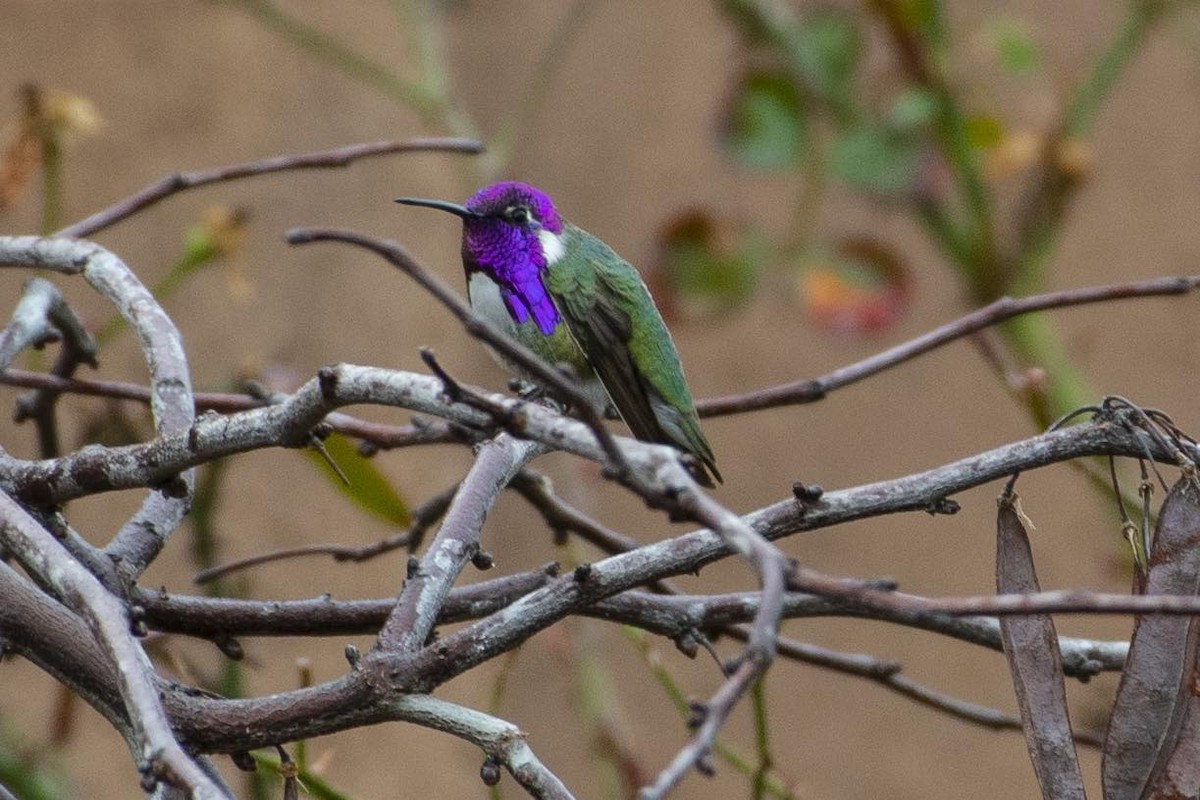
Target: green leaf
<point>924,18</point>
<point>984,131</point>
<point>825,48</point>
<point>874,158</point>
<point>766,126</point>
<point>914,109</point>
<point>708,265</point>
<point>1016,51</point>
<point>368,488</point>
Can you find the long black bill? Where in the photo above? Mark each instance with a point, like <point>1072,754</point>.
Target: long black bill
<point>441,205</point>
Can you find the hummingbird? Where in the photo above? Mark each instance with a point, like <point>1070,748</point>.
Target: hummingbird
<point>565,295</point>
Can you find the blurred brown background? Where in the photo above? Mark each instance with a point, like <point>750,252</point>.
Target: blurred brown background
<point>625,140</point>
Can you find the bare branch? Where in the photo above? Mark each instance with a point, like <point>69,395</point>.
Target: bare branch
<point>423,517</point>
<point>1062,601</point>
<point>389,437</point>
<point>59,642</point>
<point>42,315</point>
<point>181,181</point>
<point>131,466</point>
<point>671,486</point>
<point>141,538</point>
<point>813,389</point>
<point>210,617</point>
<point>30,325</point>
<point>158,753</point>
<point>456,543</point>
<point>98,469</point>
<point>502,740</point>
<point>716,710</point>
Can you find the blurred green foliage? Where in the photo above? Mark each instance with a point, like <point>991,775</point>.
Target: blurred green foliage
<point>767,127</point>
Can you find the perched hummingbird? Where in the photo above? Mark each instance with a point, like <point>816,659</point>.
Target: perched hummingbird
<point>568,297</point>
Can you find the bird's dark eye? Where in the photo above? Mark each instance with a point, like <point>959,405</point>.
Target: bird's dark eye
<point>517,215</point>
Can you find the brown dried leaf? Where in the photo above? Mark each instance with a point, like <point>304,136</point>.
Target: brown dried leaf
<point>1142,750</point>
<point>1031,647</point>
<point>17,165</point>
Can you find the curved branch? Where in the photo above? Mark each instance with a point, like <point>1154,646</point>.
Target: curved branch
<point>159,755</point>
<point>142,537</point>
<point>182,181</point>
<point>499,739</point>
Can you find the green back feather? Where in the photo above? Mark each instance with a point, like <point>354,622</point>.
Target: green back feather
<point>632,353</point>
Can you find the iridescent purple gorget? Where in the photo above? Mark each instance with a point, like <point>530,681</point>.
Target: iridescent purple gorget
<point>508,249</point>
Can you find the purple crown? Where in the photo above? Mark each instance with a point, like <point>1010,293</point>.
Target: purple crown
<point>511,253</point>
<point>493,199</point>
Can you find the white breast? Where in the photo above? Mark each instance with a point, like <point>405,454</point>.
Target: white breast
<point>552,246</point>
<point>484,294</point>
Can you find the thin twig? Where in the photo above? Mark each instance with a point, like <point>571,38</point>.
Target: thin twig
<point>211,617</point>
<point>1062,601</point>
<point>811,390</point>
<point>500,739</point>
<point>324,159</point>
<point>716,710</point>
<point>423,517</point>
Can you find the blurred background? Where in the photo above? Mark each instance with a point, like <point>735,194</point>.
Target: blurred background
<point>803,184</point>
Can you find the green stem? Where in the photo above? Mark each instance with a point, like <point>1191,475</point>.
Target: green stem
<point>313,785</point>
<point>1034,339</point>
<point>950,235</point>
<point>422,19</point>
<point>956,146</point>
<point>333,52</point>
<point>762,738</point>
<point>28,777</point>
<point>1077,124</point>
<point>739,762</point>
<point>922,52</point>
<point>1111,66</point>
<point>538,89</point>
<point>52,183</point>
<point>950,125</point>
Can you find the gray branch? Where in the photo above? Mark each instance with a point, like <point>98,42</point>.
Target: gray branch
<point>500,739</point>
<point>96,654</point>
<point>159,755</point>
<point>171,403</point>
<point>456,543</point>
